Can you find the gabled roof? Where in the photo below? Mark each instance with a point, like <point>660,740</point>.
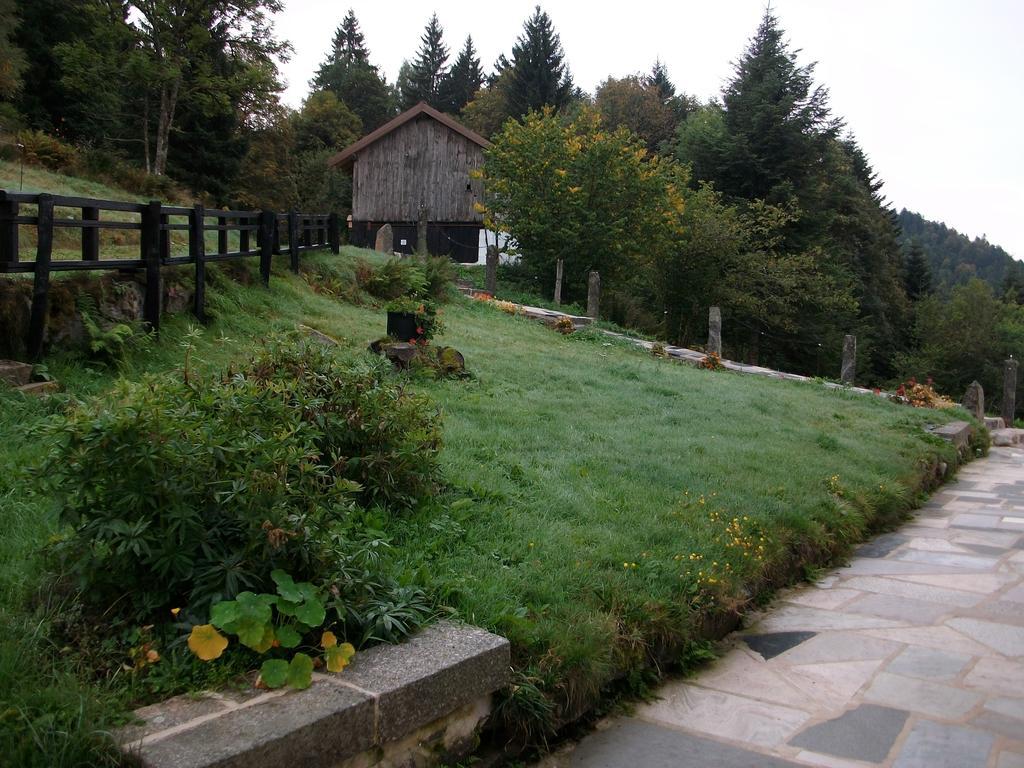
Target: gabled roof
<point>347,156</point>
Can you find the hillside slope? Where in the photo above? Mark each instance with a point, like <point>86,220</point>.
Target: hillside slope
<point>955,258</point>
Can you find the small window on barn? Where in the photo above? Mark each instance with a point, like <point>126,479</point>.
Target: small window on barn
<point>469,187</point>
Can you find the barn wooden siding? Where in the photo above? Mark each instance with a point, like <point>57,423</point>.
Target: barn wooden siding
<point>420,163</point>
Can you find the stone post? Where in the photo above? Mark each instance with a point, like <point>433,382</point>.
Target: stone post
<point>593,294</point>
<point>715,331</point>
<point>974,401</point>
<point>491,271</point>
<point>421,232</point>
<point>559,267</point>
<point>1009,391</point>
<point>849,370</point>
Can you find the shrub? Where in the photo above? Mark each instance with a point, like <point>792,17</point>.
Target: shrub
<point>393,279</point>
<point>439,273</point>
<point>47,151</point>
<point>189,493</point>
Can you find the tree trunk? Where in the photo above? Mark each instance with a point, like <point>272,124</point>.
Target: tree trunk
<point>145,134</point>
<point>168,101</point>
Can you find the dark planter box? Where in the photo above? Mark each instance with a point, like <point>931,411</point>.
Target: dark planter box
<point>402,326</point>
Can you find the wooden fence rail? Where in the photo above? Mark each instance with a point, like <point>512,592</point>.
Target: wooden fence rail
<point>299,232</point>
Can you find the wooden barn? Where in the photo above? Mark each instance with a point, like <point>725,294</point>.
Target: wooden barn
<point>417,165</point>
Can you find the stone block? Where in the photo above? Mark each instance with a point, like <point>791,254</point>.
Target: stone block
<point>957,432</point>
<point>866,733</point>
<point>385,241</point>
<point>994,422</point>
<point>14,373</point>
<point>318,726</point>
<point>436,671</point>
<point>39,388</point>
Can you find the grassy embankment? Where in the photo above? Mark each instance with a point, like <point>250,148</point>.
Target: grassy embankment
<point>603,508</point>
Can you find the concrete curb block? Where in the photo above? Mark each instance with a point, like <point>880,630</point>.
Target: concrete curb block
<point>436,687</point>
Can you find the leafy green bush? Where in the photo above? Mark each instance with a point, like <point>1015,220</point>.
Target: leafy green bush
<point>392,279</point>
<point>189,493</point>
<point>48,151</point>
<point>439,273</point>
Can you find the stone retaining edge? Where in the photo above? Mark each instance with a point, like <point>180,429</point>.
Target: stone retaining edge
<point>435,687</point>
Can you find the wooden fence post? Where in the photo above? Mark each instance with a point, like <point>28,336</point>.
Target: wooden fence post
<point>151,256</point>
<point>197,248</point>
<point>334,224</point>
<point>90,235</point>
<point>848,372</point>
<point>8,230</point>
<point>715,331</point>
<point>268,221</point>
<point>41,280</point>
<point>1009,408</point>
<point>559,270</point>
<point>222,235</point>
<point>593,294</point>
<point>243,234</point>
<point>293,240</point>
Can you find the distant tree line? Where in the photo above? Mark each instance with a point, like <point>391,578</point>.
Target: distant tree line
<point>760,201</point>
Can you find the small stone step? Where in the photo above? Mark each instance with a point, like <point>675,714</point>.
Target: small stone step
<point>39,388</point>
<point>1004,438</point>
<point>957,432</point>
<point>14,373</point>
<point>994,422</point>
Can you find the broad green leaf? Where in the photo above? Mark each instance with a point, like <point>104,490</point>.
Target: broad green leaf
<point>337,656</point>
<point>287,607</point>
<point>311,612</point>
<point>255,607</point>
<point>286,587</point>
<point>274,673</point>
<point>254,634</point>
<point>288,637</point>
<point>206,642</point>
<point>300,671</point>
<point>224,615</point>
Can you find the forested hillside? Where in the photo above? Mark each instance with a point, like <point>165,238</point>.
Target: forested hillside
<point>954,258</point>
<point>759,200</point>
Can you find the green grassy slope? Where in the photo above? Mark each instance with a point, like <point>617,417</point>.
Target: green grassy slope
<point>601,508</point>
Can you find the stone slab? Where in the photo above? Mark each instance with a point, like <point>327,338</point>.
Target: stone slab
<point>14,373</point>
<point>432,673</point>
<point>866,733</point>
<point>928,698</point>
<point>322,725</point>
<point>632,742</point>
<point>771,644</point>
<point>723,715</point>
<point>928,663</point>
<point>935,745</point>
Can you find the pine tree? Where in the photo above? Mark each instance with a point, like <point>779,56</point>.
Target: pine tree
<point>777,120</point>
<point>539,75</point>
<point>348,73</point>
<point>348,41</point>
<point>659,80</point>
<point>428,70</point>
<point>463,80</point>
<point>917,275</point>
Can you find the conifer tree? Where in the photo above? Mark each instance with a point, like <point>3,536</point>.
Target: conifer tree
<point>348,41</point>
<point>917,275</point>
<point>463,80</point>
<point>659,80</point>
<point>348,73</point>
<point>428,69</point>
<point>539,75</point>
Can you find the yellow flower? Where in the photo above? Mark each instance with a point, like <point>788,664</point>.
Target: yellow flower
<point>175,611</point>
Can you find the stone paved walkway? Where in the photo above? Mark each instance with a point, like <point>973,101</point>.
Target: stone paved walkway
<point>911,657</point>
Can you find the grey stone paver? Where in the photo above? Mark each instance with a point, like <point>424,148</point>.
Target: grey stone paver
<point>910,657</point>
<point>866,733</point>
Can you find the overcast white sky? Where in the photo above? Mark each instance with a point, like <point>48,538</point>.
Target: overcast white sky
<point>933,89</point>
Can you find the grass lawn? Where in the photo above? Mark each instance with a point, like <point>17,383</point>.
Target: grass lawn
<point>602,508</point>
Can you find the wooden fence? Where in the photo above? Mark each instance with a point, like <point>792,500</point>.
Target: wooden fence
<point>259,234</point>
